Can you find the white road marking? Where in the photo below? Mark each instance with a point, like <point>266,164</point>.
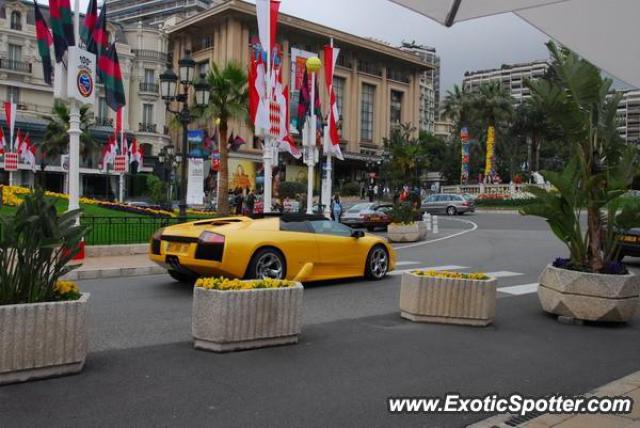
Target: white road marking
<point>504,274</point>
<point>519,290</point>
<point>439,268</point>
<point>406,263</point>
<point>418,244</point>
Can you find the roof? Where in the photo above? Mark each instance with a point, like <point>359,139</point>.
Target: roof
<point>299,24</point>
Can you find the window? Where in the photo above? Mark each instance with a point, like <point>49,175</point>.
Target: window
<point>149,75</point>
<point>31,17</point>
<point>16,20</point>
<point>13,94</point>
<point>203,68</point>
<point>366,112</point>
<point>147,114</point>
<point>205,42</point>
<point>295,226</point>
<point>328,227</point>
<point>395,108</point>
<point>15,53</point>
<point>338,88</point>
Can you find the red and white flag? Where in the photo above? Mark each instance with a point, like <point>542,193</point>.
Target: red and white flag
<point>267,14</point>
<point>10,115</point>
<point>330,58</point>
<point>284,138</point>
<point>2,142</point>
<point>27,151</point>
<point>135,153</point>
<point>109,152</point>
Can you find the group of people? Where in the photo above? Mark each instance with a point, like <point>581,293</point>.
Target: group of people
<point>244,201</point>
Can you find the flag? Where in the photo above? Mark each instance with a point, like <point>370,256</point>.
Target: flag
<point>98,41</point>
<point>89,23</point>
<point>286,140</point>
<point>109,69</point>
<point>61,26</point>
<point>304,103</point>
<point>44,40</point>
<point>118,131</point>
<point>26,152</point>
<point>10,119</point>
<point>267,14</point>
<point>330,58</point>
<point>135,152</point>
<point>2,142</point>
<point>109,152</point>
<point>18,143</point>
<point>254,95</point>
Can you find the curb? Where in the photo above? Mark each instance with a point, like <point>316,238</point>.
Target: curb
<point>115,250</point>
<point>488,211</point>
<point>114,272</point>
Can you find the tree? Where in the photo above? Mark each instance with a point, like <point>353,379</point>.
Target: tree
<point>457,106</point>
<point>56,137</point>
<point>407,156</point>
<point>443,158</point>
<point>228,101</point>
<point>493,105</point>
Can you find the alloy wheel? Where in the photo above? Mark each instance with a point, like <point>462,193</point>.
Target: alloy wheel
<point>378,263</point>
<point>269,265</point>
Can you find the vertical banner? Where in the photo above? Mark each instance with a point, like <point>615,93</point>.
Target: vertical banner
<point>298,65</point>
<point>465,144</point>
<point>489,169</point>
<point>195,182</point>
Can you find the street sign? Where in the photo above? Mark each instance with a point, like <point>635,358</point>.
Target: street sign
<point>10,161</point>
<point>120,164</point>
<point>81,72</point>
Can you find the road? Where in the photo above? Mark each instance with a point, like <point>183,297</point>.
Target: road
<point>355,350</point>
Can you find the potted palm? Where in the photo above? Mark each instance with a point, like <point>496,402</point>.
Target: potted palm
<point>591,284</point>
<point>43,319</point>
<point>403,226</point>
<point>231,314</point>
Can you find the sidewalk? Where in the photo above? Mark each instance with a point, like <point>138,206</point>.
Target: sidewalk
<point>115,266</point>
<point>628,386</point>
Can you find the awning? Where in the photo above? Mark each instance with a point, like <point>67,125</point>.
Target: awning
<point>605,32</point>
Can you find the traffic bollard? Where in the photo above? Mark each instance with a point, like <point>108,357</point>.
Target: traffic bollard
<point>435,224</point>
<point>427,219</point>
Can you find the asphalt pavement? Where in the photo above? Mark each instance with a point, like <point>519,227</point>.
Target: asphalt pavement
<point>355,350</point>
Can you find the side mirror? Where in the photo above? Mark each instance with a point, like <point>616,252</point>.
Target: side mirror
<point>357,234</point>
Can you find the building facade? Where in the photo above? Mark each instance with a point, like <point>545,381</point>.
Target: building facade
<point>629,116</point>
<point>377,86</point>
<point>142,52</point>
<point>429,84</point>
<point>511,76</point>
<point>154,12</point>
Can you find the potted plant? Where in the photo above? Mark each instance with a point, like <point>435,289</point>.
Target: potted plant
<point>404,227</point>
<point>43,319</point>
<point>448,297</point>
<point>591,284</point>
<point>231,314</point>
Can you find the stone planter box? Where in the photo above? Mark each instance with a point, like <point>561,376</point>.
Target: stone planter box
<point>245,319</point>
<point>407,232</point>
<point>448,301</point>
<point>589,296</point>
<point>40,340</point>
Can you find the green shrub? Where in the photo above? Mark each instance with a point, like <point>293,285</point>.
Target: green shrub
<point>290,189</point>
<point>350,189</point>
<point>35,246</point>
<point>157,189</point>
<point>403,213</point>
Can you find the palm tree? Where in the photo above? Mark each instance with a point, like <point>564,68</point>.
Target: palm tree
<point>531,121</point>
<point>493,105</point>
<point>457,106</point>
<point>56,137</point>
<point>229,100</point>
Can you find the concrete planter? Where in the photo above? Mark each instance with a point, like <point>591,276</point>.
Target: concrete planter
<point>245,319</point>
<point>589,296</point>
<point>447,300</point>
<point>411,232</point>
<point>40,340</point>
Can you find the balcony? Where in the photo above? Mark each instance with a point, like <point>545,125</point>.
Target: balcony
<point>9,64</point>
<point>150,54</point>
<point>104,121</point>
<point>147,127</point>
<point>149,87</point>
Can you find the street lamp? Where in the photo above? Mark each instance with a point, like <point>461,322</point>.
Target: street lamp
<point>313,65</point>
<point>169,93</point>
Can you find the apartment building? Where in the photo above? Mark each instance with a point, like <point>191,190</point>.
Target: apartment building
<point>429,82</point>
<point>629,116</point>
<point>511,76</point>
<point>154,12</point>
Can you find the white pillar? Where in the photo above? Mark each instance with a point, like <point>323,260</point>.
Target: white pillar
<point>121,189</point>
<point>74,156</point>
<point>267,155</point>
<point>328,175</point>
<point>311,148</point>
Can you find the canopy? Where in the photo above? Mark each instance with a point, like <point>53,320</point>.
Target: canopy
<point>605,32</point>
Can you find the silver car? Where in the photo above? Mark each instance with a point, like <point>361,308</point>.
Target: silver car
<point>448,203</point>
<point>355,216</point>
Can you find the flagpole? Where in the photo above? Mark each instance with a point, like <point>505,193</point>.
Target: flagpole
<point>326,184</point>
<point>74,131</point>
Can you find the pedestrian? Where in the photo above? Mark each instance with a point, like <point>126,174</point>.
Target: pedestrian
<point>376,191</point>
<point>362,192</point>
<point>336,208</point>
<point>239,200</point>
<point>250,203</point>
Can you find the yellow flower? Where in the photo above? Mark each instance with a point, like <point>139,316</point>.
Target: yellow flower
<point>66,287</point>
<point>451,275</point>
<point>238,284</point>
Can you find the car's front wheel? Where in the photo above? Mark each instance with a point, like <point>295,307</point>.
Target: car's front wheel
<point>451,210</point>
<point>182,277</point>
<point>377,263</point>
<point>267,263</point>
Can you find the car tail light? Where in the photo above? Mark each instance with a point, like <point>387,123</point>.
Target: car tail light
<point>210,246</point>
<point>466,204</point>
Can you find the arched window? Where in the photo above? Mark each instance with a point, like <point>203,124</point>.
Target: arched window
<point>16,20</point>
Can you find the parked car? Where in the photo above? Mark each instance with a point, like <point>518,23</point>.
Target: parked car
<point>630,243</point>
<point>356,215</point>
<point>448,203</point>
<point>379,218</point>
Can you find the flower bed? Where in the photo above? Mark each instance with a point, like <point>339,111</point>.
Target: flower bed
<point>480,276</point>
<point>232,315</point>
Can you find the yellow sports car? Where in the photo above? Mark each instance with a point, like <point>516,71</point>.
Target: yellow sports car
<point>292,246</point>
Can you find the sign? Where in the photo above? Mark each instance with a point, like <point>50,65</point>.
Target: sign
<point>195,182</point>
<point>195,138</point>
<point>81,75</point>
<point>298,64</point>
<point>242,174</point>
<point>120,164</point>
<point>10,161</point>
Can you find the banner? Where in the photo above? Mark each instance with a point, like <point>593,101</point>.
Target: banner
<point>298,64</point>
<point>196,143</point>
<point>195,182</point>
<point>242,174</point>
<point>489,169</point>
<point>466,149</point>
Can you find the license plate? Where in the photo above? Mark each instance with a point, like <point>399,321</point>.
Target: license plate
<point>177,247</point>
<point>629,238</point>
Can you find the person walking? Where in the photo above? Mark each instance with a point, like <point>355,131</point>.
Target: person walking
<point>250,203</point>
<point>336,208</point>
<point>239,200</point>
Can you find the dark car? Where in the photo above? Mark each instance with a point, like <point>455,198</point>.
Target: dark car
<point>448,203</point>
<point>630,243</point>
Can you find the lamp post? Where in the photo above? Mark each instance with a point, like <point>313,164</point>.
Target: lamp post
<point>169,92</point>
<point>313,65</point>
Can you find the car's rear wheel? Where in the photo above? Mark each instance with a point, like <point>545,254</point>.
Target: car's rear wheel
<point>377,263</point>
<point>182,277</point>
<point>267,263</point>
<point>451,210</point>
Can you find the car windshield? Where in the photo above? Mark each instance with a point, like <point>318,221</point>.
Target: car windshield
<point>467,197</point>
<point>359,207</point>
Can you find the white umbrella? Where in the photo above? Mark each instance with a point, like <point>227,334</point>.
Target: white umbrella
<point>606,32</point>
